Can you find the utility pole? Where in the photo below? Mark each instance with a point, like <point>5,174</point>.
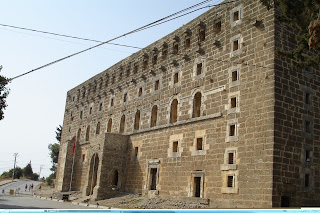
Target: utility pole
<point>14,165</point>
<point>40,171</point>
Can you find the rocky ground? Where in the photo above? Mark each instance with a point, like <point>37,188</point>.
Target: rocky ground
<point>131,201</point>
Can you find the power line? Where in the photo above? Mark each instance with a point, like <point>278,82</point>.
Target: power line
<point>123,35</point>
<point>63,35</point>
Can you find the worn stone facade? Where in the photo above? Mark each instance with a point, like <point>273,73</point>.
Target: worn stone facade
<point>208,112</point>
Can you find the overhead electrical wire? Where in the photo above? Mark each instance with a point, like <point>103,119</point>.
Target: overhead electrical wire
<point>155,23</point>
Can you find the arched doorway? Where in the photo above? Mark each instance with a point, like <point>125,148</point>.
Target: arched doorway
<point>93,173</point>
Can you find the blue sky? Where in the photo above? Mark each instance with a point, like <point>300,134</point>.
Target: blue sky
<point>37,101</point>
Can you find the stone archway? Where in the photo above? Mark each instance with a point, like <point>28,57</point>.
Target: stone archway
<point>93,173</point>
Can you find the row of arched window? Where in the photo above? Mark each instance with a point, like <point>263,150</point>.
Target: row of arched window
<point>153,121</point>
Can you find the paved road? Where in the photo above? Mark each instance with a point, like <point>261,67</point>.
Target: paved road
<point>20,186</point>
<point>25,200</point>
<point>30,202</point>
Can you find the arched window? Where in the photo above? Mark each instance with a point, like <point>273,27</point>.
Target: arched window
<point>98,128</point>
<point>122,123</point>
<point>174,111</point>
<point>154,115</point>
<point>78,135</point>
<point>137,120</point>
<point>196,105</point>
<point>88,133</point>
<point>109,125</point>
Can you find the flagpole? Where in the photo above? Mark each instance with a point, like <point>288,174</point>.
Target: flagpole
<point>74,155</point>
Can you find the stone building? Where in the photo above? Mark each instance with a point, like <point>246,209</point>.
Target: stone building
<point>208,112</point>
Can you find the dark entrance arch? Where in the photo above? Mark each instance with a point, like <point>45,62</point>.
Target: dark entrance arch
<point>93,173</point>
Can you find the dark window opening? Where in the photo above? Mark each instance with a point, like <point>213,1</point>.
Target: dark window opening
<point>175,48</point>
<point>109,125</point>
<point>73,99</point>
<point>81,114</point>
<point>120,76</point>
<point>112,102</point>
<point>100,86</point>
<point>230,181</point>
<point>188,42</point>
<point>234,75</point>
<point>307,98</point>
<point>236,16</point>
<point>83,157</point>
<point>176,78</point>
<point>156,85</point>
<point>90,110</point>
<point>154,115</point>
<point>218,27</point>
<point>122,123</point>
<point>113,79</point>
<point>79,135</point>
<point>115,178</point>
<point>235,45</point>
<point>197,186</point>
<point>202,35</point>
<point>136,151</point>
<point>234,102</point>
<point>106,83</point>
<point>306,180</point>
<point>145,64</point>
<point>153,175</point>
<point>196,105</point>
<point>140,92</point>
<point>83,94</point>
<point>199,69</point>
<point>232,130</point>
<point>100,107</point>
<point>308,126</point>
<point>98,128</point>
<point>125,97</point>
<point>199,143</point>
<point>88,133</point>
<point>175,146</point>
<point>174,111</point>
<point>308,155</point>
<point>128,72</point>
<point>137,120</point>
<point>230,158</point>
<point>155,60</point>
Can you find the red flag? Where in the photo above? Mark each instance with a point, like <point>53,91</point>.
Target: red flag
<point>74,144</point>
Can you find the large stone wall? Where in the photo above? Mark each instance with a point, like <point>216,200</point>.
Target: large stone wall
<point>230,124</point>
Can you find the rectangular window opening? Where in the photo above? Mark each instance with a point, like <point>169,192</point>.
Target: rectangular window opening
<point>231,158</point>
<point>175,146</point>
<point>307,98</point>
<point>232,130</point>
<point>175,48</point>
<point>199,69</point>
<point>188,42</point>
<point>235,45</point>
<point>218,27</point>
<point>199,143</point>
<point>234,102</point>
<point>306,180</point>
<point>234,75</point>
<point>156,85</point>
<point>136,151</point>
<point>140,92</point>
<point>308,126</point>
<point>164,54</point>
<point>197,186</point>
<point>153,182</point>
<point>125,97</point>
<point>236,16</point>
<point>230,181</point>
<point>83,157</point>
<point>135,69</point>
<point>202,35</point>
<point>308,155</point>
<point>176,78</point>
<point>155,60</point>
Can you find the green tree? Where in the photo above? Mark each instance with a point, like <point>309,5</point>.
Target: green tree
<point>54,150</point>
<point>27,171</point>
<point>303,16</point>
<point>35,176</point>
<point>4,92</point>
